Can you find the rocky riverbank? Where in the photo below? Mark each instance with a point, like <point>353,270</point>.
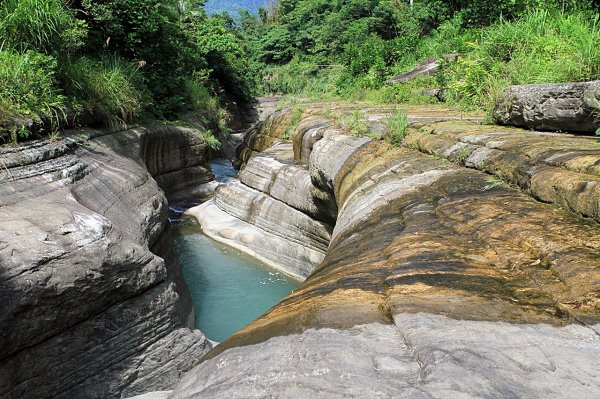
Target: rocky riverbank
<point>94,305</point>
<point>438,280</point>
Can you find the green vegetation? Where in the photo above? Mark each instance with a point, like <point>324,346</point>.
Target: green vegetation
<point>109,87</point>
<point>541,47</point>
<point>115,60</point>
<point>211,141</point>
<point>296,110</point>
<point>349,48</point>
<point>356,123</point>
<point>462,155</point>
<point>27,83</point>
<point>398,127</point>
<point>43,25</point>
<point>112,61</point>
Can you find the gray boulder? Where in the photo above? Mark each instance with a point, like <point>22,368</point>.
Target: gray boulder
<point>429,67</point>
<point>573,107</point>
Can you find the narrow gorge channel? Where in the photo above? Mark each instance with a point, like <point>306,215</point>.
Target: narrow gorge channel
<point>229,289</point>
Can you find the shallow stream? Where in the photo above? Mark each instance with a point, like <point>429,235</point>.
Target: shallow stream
<point>229,289</point>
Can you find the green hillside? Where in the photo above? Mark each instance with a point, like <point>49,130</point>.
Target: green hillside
<point>350,48</point>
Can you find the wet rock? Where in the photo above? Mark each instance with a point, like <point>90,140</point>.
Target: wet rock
<point>570,107</point>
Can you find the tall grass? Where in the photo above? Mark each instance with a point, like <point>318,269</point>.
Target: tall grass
<point>27,90</point>
<point>397,125</point>
<point>43,25</point>
<point>541,47</point>
<point>109,87</point>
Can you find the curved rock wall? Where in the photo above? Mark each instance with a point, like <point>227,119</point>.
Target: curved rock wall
<point>176,158</point>
<point>439,280</point>
<point>93,305</point>
<point>273,212</point>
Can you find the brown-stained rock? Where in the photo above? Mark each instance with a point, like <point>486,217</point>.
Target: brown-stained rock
<point>556,168</point>
<point>439,280</point>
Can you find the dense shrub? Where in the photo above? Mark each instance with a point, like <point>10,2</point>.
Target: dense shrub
<point>350,47</point>
<point>27,91</point>
<point>302,77</point>
<point>43,25</point>
<point>119,58</point>
<point>109,87</point>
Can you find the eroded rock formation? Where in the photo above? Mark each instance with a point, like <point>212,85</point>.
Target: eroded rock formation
<point>570,107</point>
<point>93,304</point>
<point>439,280</point>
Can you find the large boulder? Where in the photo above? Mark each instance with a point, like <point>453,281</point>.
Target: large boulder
<point>93,303</point>
<point>428,67</point>
<point>573,107</point>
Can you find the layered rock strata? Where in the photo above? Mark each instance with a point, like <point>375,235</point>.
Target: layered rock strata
<point>557,168</point>
<point>268,216</point>
<point>176,158</point>
<point>438,281</point>
<point>571,107</point>
<point>93,302</point>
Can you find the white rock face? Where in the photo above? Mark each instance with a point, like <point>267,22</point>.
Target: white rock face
<point>277,251</point>
<point>419,356</point>
<point>270,213</point>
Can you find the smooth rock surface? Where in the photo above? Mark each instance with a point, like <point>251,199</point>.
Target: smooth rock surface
<point>274,250</point>
<point>419,356</point>
<point>439,280</point>
<point>273,212</point>
<point>176,158</point>
<point>557,168</point>
<point>93,304</point>
<point>570,107</point>
<point>286,182</point>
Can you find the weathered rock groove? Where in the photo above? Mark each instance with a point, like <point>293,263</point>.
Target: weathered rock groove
<point>465,263</point>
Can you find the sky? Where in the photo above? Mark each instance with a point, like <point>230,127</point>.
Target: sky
<point>232,6</point>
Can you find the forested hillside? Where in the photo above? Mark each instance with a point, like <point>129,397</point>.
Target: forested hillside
<point>110,61</point>
<point>350,48</point>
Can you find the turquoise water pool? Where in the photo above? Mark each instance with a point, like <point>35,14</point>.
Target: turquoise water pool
<point>229,289</point>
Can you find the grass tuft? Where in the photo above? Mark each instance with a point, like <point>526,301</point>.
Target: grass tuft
<point>398,127</point>
<point>108,87</point>
<point>42,25</point>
